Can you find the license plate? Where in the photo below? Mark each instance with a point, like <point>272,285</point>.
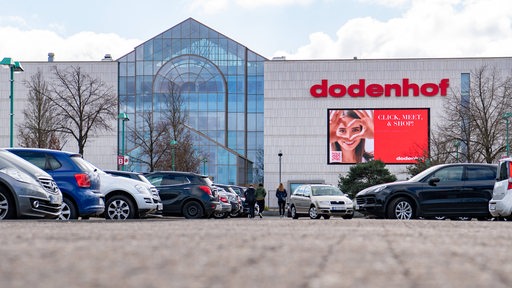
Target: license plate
<point>338,208</point>
<point>55,199</point>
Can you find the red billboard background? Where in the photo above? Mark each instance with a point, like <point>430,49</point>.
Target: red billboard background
<point>400,136</point>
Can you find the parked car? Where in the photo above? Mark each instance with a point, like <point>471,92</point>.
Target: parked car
<point>240,191</point>
<point>78,183</point>
<point>26,191</point>
<point>446,190</point>
<point>224,202</point>
<point>320,200</point>
<point>127,198</point>
<point>500,205</point>
<point>185,194</point>
<point>234,199</point>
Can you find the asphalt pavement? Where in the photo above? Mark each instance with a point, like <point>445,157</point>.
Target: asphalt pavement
<point>268,252</point>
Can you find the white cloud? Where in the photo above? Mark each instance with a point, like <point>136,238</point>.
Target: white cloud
<point>438,28</point>
<point>34,45</point>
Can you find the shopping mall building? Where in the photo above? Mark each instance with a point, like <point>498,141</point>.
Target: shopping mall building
<point>297,121</point>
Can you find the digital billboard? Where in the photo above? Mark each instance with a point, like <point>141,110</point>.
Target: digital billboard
<point>393,136</point>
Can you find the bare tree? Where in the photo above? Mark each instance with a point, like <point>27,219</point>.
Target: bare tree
<point>83,104</point>
<point>160,144</point>
<point>473,128</point>
<point>148,139</point>
<point>40,125</point>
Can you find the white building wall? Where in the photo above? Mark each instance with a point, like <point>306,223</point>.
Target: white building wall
<point>296,122</point>
<point>101,147</point>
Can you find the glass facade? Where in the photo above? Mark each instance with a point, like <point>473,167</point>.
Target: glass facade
<point>221,83</point>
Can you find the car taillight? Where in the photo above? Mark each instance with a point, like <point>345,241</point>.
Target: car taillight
<point>83,180</point>
<point>224,199</point>
<point>509,184</point>
<point>206,190</point>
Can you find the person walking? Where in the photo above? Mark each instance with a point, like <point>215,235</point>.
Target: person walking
<point>281,196</point>
<point>260,198</point>
<point>250,198</point>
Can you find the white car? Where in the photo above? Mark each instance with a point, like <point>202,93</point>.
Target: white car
<point>501,203</point>
<point>320,200</point>
<point>127,198</point>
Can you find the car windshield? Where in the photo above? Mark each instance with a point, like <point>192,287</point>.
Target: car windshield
<point>9,160</point>
<point>325,191</point>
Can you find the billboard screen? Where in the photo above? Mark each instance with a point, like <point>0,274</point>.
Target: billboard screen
<point>393,136</point>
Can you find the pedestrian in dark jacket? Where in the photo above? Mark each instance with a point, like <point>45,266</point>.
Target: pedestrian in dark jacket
<point>250,198</point>
<point>281,198</point>
<point>260,199</point>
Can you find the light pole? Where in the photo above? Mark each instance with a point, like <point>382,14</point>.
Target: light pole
<point>173,150</point>
<point>456,144</point>
<point>14,66</point>
<point>204,165</point>
<point>280,154</point>
<point>507,115</point>
<point>123,117</point>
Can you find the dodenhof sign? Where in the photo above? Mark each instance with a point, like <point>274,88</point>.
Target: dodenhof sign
<point>362,89</point>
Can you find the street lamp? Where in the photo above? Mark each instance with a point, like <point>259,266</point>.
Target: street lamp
<point>123,117</point>
<point>507,115</point>
<point>280,154</point>
<point>173,150</point>
<point>204,165</point>
<point>456,144</point>
<point>14,66</point>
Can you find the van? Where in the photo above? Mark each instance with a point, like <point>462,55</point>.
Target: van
<point>501,203</point>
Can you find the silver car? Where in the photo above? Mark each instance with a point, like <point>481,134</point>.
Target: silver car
<point>26,190</point>
<point>317,200</point>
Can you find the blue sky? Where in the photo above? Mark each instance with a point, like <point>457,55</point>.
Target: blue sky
<point>297,29</point>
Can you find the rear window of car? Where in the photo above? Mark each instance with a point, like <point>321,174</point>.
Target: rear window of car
<point>474,173</point>
<point>504,169</point>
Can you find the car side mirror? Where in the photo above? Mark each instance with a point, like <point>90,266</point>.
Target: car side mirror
<point>433,181</point>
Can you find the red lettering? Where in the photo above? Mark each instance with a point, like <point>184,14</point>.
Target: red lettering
<point>360,89</point>
<point>319,90</point>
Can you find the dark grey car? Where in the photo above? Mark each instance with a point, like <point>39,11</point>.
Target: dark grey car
<point>26,191</point>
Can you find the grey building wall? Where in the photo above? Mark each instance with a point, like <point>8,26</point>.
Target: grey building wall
<point>101,148</point>
<point>296,122</point>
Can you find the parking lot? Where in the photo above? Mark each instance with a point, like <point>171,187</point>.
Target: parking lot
<point>268,252</point>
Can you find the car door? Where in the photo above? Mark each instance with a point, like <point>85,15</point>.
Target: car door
<point>304,200</point>
<point>439,194</point>
<point>477,188</point>
<point>171,188</point>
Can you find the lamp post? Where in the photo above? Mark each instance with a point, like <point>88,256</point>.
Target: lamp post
<point>123,117</point>
<point>456,144</point>
<point>204,165</point>
<point>173,150</point>
<point>507,115</point>
<point>14,66</point>
<point>280,154</point>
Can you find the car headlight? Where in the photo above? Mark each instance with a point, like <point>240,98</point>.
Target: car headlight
<point>324,203</point>
<point>19,175</point>
<point>142,189</point>
<point>380,188</point>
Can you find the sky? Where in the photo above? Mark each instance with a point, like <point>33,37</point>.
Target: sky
<point>296,29</point>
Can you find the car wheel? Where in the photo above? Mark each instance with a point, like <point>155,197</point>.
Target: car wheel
<point>69,210</point>
<point>220,215</point>
<point>313,213</point>
<point>348,216</point>
<point>327,217</point>
<point>7,210</point>
<point>193,210</point>
<point>400,208</point>
<point>119,207</point>
<point>293,213</point>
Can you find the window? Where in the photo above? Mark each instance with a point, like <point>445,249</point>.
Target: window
<point>480,173</point>
<point>453,173</point>
<point>503,171</point>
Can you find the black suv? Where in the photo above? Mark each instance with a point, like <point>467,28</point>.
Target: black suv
<point>447,190</point>
<point>185,194</point>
